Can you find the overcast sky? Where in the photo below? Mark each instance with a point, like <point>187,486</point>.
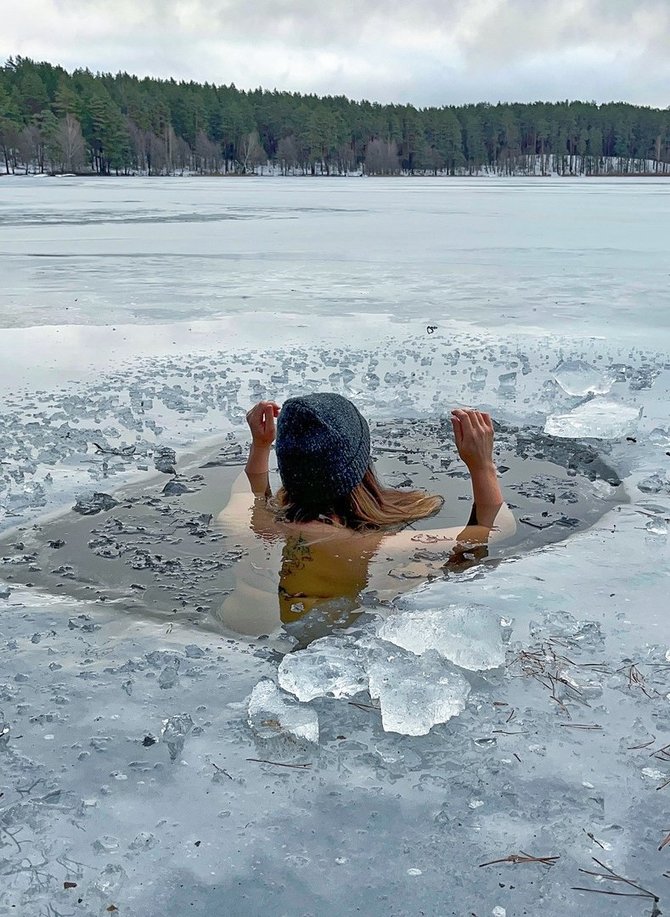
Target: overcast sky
<point>427,52</point>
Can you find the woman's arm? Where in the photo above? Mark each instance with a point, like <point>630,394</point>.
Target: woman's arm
<point>490,517</point>
<point>251,510</point>
<point>261,420</point>
<point>473,432</point>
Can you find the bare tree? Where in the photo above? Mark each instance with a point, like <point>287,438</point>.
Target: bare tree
<point>68,144</point>
<point>346,159</point>
<point>138,144</point>
<point>9,139</point>
<point>251,152</point>
<point>182,155</point>
<point>29,148</point>
<point>287,154</point>
<point>381,158</point>
<point>207,154</point>
<point>157,154</point>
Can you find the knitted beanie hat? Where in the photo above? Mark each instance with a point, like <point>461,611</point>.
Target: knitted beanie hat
<point>323,447</point>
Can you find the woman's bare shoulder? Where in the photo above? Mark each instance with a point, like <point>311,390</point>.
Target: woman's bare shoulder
<point>504,525</point>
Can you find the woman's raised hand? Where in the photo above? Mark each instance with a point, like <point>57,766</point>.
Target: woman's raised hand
<point>473,431</point>
<point>261,420</point>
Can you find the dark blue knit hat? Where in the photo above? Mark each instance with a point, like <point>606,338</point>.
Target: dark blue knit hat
<point>323,447</point>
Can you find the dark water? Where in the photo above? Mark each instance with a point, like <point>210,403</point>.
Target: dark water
<point>159,552</point>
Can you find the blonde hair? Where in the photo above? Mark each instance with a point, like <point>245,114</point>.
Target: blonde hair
<point>369,505</point>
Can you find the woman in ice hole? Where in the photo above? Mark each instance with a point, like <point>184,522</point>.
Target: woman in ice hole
<point>339,530</point>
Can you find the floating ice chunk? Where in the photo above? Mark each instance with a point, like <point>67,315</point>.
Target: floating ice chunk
<point>579,378</point>
<point>331,665</point>
<point>174,732</point>
<point>415,692</point>
<point>600,418</point>
<point>271,712</point>
<point>176,489</point>
<point>96,503</point>
<point>546,519</point>
<point>164,460</point>
<point>468,635</point>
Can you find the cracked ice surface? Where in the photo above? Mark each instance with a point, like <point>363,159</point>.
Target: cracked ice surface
<point>65,443</point>
<point>125,743</point>
<point>126,777</point>
<point>92,795</point>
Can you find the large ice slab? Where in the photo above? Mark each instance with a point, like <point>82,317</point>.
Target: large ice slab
<point>601,418</point>
<point>415,692</point>
<point>467,635</point>
<point>330,666</point>
<point>576,377</point>
<point>272,713</point>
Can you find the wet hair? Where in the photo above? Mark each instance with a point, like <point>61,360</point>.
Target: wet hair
<point>368,506</point>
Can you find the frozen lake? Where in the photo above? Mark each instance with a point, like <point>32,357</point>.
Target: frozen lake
<point>553,254</point>
<point>133,773</point>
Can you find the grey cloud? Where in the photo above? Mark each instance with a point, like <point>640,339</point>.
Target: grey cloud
<point>421,51</point>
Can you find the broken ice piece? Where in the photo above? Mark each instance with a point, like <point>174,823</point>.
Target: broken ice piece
<point>145,840</point>
<point>660,437</point>
<point>654,484</point>
<point>108,886</point>
<point>164,460</point>
<point>329,666</point>
<point>470,635</point>
<point>96,503</point>
<point>546,519</point>
<point>657,526</point>
<point>174,732</point>
<point>416,692</point>
<point>272,713</point>
<point>600,418</point>
<point>193,651</point>
<point>507,382</point>
<point>176,489</point>
<point>4,730</point>
<point>107,843</point>
<point>579,378</point>
<point>168,677</point>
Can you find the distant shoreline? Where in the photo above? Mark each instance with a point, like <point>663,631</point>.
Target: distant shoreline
<point>408,176</point>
